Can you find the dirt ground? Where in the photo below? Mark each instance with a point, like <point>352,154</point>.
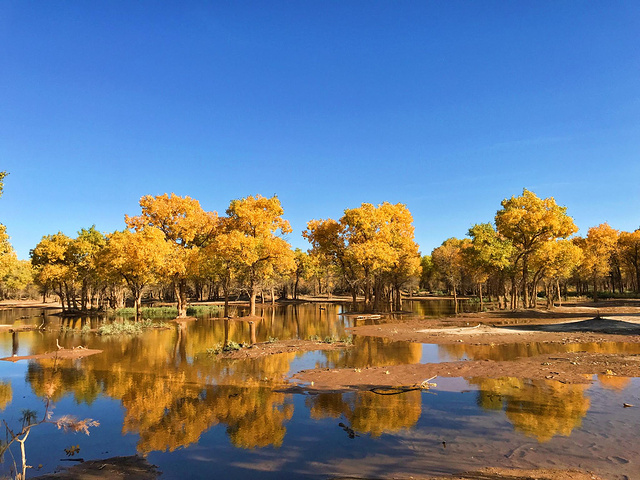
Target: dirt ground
<point>509,474</point>
<point>137,468</point>
<point>62,354</point>
<point>285,346</point>
<point>568,328</point>
<point>122,468</point>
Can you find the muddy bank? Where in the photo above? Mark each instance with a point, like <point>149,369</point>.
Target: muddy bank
<point>286,346</point>
<point>571,367</point>
<point>127,468</point>
<point>564,345</point>
<point>62,354</point>
<point>574,325</point>
<point>512,474</point>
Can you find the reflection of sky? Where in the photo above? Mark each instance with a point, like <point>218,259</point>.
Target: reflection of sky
<point>306,361</point>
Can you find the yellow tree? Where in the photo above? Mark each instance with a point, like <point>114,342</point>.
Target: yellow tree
<point>7,255</point>
<point>403,261</point>
<point>330,244</point>
<point>629,248</point>
<point>528,222</point>
<point>136,257</point>
<point>553,262</point>
<point>15,275</point>
<point>186,227</point>
<point>488,255</point>
<point>448,260</point>
<point>252,230</point>
<point>598,246</point>
<point>81,256</point>
<point>52,268</point>
<point>369,245</point>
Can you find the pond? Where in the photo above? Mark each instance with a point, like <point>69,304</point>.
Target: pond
<point>163,395</point>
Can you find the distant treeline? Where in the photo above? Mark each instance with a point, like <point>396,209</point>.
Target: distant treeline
<point>175,251</point>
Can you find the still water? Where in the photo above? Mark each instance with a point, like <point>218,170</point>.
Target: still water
<point>195,415</point>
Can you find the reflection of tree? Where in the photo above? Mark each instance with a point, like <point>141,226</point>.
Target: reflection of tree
<point>6,394</point>
<point>172,391</point>
<point>170,401</point>
<point>511,351</point>
<point>170,416</point>
<point>48,386</point>
<point>368,412</point>
<point>54,382</point>
<point>375,351</point>
<point>537,408</point>
<point>613,382</point>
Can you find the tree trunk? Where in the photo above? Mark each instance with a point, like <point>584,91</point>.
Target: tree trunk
<point>480,293</point>
<point>525,279</point>
<point>252,298</point>
<point>354,298</point>
<point>225,290</point>
<point>559,293</point>
<point>181,294</point>
<point>455,300</point>
<point>137,295</point>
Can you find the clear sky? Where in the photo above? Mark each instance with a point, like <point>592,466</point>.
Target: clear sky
<point>448,107</point>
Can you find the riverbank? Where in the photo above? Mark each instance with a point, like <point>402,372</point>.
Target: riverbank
<point>569,344</point>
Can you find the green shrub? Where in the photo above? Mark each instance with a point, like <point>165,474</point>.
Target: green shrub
<point>129,328</point>
<point>196,310</point>
<point>214,350</point>
<point>149,312</point>
<point>229,347</point>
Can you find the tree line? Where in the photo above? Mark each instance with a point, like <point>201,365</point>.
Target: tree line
<point>175,251</point>
<point>529,251</point>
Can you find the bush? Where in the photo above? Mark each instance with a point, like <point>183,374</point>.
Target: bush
<point>229,347</point>
<point>128,328</point>
<point>149,312</point>
<point>196,310</point>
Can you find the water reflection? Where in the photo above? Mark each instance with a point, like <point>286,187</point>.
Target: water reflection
<point>538,408</point>
<point>513,351</point>
<point>368,412</point>
<point>172,391</point>
<point>441,308</point>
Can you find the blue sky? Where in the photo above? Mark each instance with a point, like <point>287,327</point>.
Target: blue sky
<point>448,107</point>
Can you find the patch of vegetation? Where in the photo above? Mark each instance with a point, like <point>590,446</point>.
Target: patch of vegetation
<point>86,328</point>
<point>167,312</point>
<point>609,295</point>
<point>129,328</point>
<point>272,339</point>
<point>315,338</point>
<point>217,349</point>
<point>148,312</point>
<point>196,310</point>
<point>330,340</point>
<point>220,348</point>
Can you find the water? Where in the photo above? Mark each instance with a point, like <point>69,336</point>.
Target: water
<point>160,394</point>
